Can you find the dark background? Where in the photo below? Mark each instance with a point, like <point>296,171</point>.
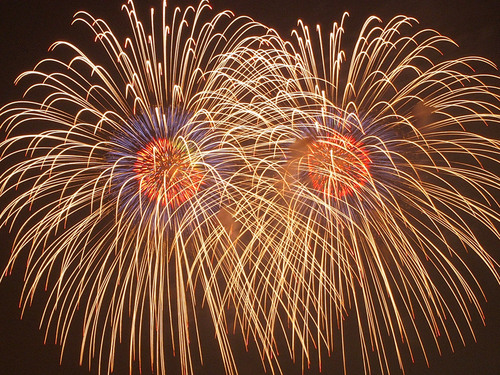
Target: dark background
<point>27,28</point>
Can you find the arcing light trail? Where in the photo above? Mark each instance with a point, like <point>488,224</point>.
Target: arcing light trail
<point>290,182</point>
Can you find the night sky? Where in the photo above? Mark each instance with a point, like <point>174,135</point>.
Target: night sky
<point>29,27</point>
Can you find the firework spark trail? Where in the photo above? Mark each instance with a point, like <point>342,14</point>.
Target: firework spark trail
<point>84,202</point>
<point>287,180</point>
<point>384,179</point>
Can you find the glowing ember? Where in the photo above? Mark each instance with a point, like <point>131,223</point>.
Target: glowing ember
<point>338,166</point>
<point>166,173</point>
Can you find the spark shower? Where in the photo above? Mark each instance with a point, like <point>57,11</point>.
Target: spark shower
<point>285,188</point>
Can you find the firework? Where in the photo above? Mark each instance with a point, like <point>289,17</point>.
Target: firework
<point>119,193</point>
<point>214,164</point>
<point>380,181</point>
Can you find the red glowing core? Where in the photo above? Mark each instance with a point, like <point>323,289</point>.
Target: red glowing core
<point>166,172</point>
<point>338,166</point>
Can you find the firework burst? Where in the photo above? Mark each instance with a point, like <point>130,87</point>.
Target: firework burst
<point>212,163</point>
<point>379,177</point>
<point>119,191</point>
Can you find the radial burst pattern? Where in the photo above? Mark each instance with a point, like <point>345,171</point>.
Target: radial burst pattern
<point>287,190</point>
<point>379,171</point>
<point>165,173</point>
<point>338,165</point>
<point>119,171</point>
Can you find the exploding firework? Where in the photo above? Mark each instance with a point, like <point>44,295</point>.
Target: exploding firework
<point>305,188</point>
<point>125,194</point>
<point>382,184</point>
